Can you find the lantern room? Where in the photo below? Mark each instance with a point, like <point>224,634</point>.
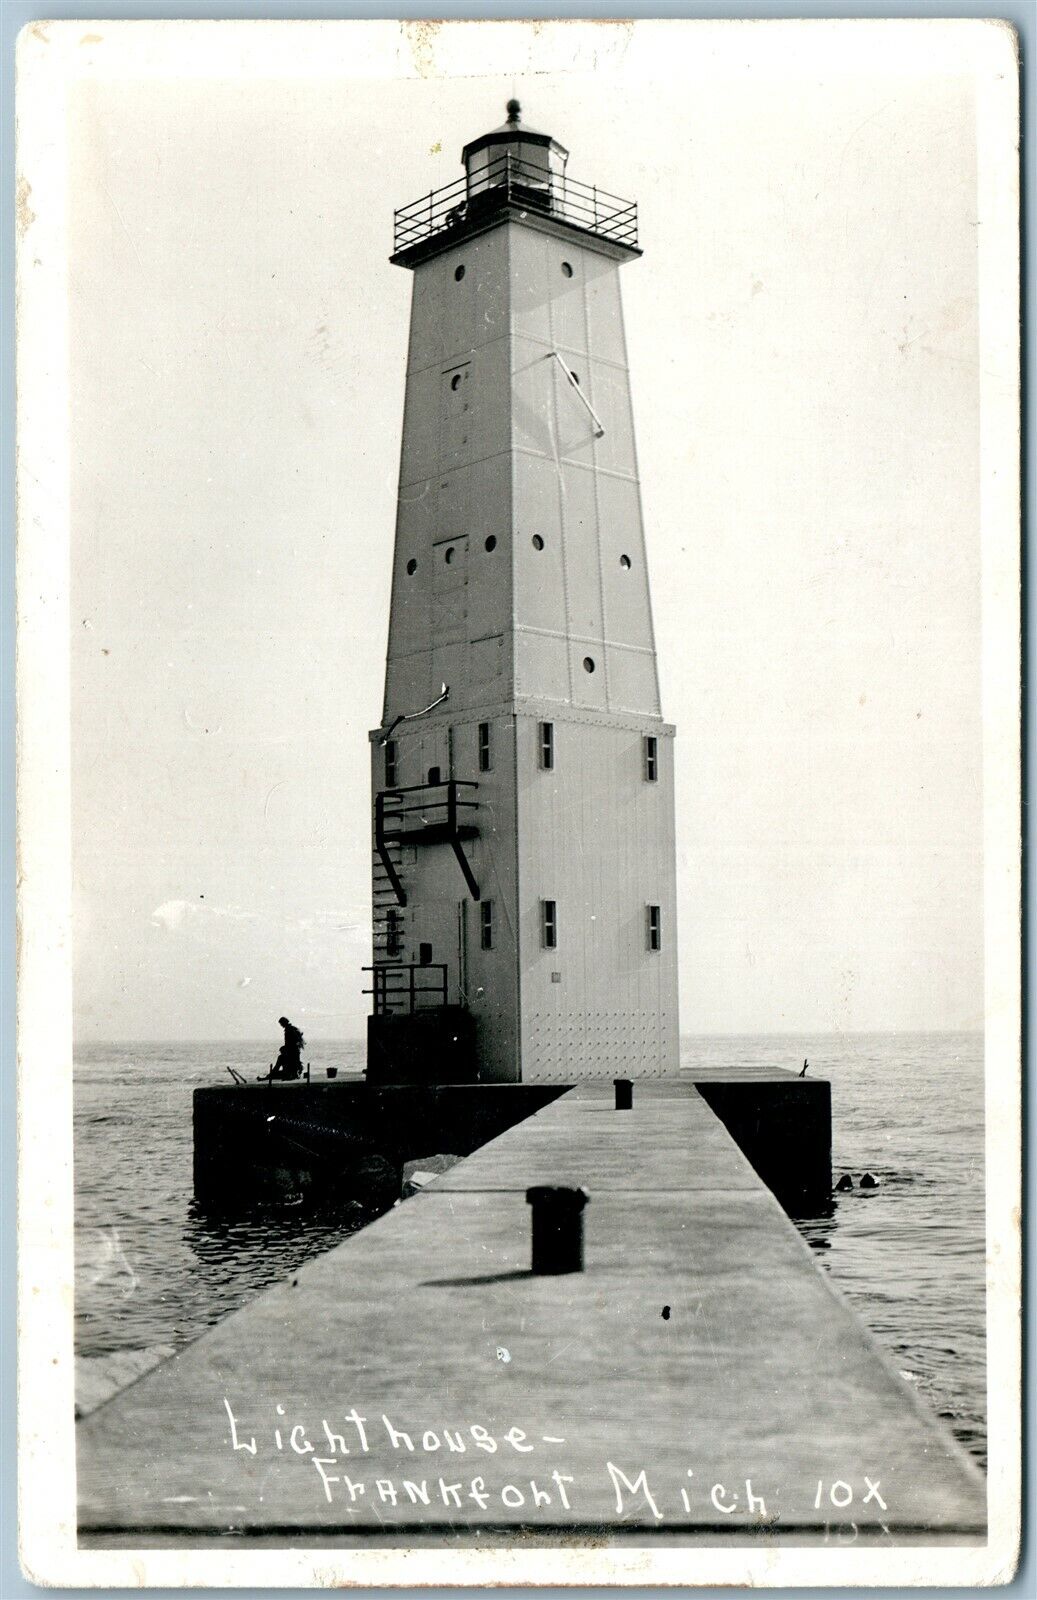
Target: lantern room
<point>516,156</point>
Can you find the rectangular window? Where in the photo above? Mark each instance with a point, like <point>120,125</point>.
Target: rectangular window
<point>651,758</point>
<point>547,746</point>
<point>549,924</point>
<point>393,941</point>
<point>485,752</point>
<point>486,924</point>
<point>654,928</point>
<point>390,764</point>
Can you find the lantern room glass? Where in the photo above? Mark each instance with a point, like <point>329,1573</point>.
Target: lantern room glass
<point>534,167</point>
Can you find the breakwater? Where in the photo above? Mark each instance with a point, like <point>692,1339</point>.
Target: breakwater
<point>699,1379</point>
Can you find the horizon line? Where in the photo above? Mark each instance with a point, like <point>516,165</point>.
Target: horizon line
<point>717,1033</point>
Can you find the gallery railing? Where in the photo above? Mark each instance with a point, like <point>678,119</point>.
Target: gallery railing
<point>507,180</point>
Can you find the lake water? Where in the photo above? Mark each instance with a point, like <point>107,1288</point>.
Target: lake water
<point>909,1255</point>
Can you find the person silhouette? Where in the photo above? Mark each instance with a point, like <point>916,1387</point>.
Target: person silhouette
<point>289,1057</point>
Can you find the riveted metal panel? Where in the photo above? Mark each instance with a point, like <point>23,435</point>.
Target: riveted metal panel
<point>419,449</point>
<point>624,576</point>
<point>531,282</point>
<point>450,316</point>
<point>487,663</point>
<point>587,673</point>
<point>610,391</point>
<point>410,613</point>
<point>613,1005</point>
<point>450,589</point>
<point>488,524</point>
<point>582,563</point>
<point>632,681</point>
<point>538,549</point>
<point>407,683</point>
<point>605,333</point>
<point>542,667</point>
<point>568,308</point>
<point>533,386</point>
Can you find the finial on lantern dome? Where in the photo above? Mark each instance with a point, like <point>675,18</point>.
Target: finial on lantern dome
<point>514,111</point>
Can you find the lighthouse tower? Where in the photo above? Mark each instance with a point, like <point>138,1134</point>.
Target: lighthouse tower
<point>523,815</point>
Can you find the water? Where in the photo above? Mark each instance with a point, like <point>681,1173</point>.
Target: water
<point>909,1255</point>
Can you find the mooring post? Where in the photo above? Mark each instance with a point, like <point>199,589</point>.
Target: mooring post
<point>557,1228</point>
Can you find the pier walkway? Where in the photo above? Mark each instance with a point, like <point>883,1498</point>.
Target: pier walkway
<point>700,1379</point>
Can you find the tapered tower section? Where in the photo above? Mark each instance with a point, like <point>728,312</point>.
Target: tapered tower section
<point>523,833</point>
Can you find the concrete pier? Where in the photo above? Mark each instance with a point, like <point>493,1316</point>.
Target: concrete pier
<point>340,1139</point>
<point>700,1379</point>
<point>346,1138</point>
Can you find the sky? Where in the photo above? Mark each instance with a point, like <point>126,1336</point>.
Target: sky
<point>803,343</point>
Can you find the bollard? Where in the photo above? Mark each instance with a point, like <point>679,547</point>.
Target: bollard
<point>332,1072</point>
<point>624,1094</point>
<point>557,1228</point>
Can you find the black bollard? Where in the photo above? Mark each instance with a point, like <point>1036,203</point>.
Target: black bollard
<point>845,1183</point>
<point>624,1094</point>
<point>557,1228</point>
<point>868,1182</point>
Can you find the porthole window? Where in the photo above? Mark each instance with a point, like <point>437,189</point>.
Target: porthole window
<point>567,270</point>
<point>588,663</point>
<point>448,555</point>
<point>458,274</point>
<point>624,562</point>
<point>412,567</point>
<point>455,382</point>
<point>538,543</point>
<point>491,543</point>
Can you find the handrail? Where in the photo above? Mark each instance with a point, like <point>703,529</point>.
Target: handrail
<point>441,815</point>
<point>406,989</point>
<point>510,179</point>
<point>414,788</point>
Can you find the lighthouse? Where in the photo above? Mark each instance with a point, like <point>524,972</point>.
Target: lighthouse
<point>523,849</point>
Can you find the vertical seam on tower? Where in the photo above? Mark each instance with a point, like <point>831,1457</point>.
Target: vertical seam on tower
<point>518,1042</point>
<point>512,620</point>
<point>561,503</point>
<point>640,503</point>
<point>519,1028</point>
<point>595,445</point>
<point>601,594</point>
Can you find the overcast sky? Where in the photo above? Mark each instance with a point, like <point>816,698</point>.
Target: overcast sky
<point>802,336</point>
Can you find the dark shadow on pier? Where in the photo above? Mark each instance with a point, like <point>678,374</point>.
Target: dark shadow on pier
<point>470,1283</point>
